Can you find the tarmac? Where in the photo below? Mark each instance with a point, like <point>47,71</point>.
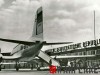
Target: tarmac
<point>34,72</point>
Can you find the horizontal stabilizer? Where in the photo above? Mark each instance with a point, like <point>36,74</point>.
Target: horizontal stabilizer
<point>56,43</point>
<point>18,41</point>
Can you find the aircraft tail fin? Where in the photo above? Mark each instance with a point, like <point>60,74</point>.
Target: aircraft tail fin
<point>37,34</point>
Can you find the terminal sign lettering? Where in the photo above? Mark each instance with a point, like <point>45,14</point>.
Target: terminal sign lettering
<point>86,44</point>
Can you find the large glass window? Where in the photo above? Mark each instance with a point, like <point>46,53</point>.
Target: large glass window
<point>93,52</point>
<point>98,51</point>
<point>88,52</point>
<point>84,53</point>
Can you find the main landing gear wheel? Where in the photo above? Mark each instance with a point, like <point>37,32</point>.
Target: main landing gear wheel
<point>17,68</point>
<point>0,67</point>
<point>0,63</point>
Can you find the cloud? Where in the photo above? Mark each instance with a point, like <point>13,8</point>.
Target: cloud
<point>71,19</point>
<point>64,20</point>
<point>16,21</point>
<point>18,17</point>
<point>1,2</point>
<point>85,31</point>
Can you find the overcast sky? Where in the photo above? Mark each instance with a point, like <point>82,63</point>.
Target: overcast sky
<point>64,20</point>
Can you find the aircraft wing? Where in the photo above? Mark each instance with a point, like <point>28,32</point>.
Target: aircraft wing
<point>74,56</point>
<point>10,57</point>
<point>31,43</point>
<point>11,63</point>
<point>18,41</point>
<point>17,57</point>
<point>56,43</point>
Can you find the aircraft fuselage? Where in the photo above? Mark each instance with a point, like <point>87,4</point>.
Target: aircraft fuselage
<point>32,50</point>
<point>24,51</point>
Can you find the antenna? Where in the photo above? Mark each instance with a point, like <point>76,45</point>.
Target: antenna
<point>94,26</point>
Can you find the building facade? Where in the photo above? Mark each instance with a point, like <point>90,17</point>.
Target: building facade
<point>91,47</point>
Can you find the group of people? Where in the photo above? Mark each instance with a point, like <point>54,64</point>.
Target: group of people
<point>80,67</point>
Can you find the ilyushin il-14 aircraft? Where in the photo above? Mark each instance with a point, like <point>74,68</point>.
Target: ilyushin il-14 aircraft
<point>28,50</point>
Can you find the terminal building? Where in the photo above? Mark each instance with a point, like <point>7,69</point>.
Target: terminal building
<point>91,47</point>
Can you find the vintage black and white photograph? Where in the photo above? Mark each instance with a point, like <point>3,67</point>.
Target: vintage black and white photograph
<point>44,37</point>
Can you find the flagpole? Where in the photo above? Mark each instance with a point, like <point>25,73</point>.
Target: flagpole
<point>94,26</point>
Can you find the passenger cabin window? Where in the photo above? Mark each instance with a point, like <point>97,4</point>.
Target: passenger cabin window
<point>25,47</point>
<point>21,47</point>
